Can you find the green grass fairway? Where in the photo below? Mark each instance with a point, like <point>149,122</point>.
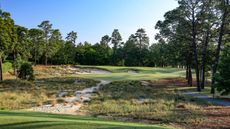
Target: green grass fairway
<point>143,73</point>
<point>33,120</point>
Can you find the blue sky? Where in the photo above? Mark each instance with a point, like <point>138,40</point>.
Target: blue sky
<point>91,19</point>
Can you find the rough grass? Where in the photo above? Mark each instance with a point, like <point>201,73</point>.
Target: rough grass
<point>26,120</point>
<point>130,99</point>
<point>17,94</point>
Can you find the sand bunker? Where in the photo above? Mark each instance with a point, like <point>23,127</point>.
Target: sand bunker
<point>133,71</point>
<point>82,70</point>
<point>92,71</point>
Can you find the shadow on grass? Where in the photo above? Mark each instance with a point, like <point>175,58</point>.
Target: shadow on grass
<point>67,125</point>
<point>44,120</point>
<point>21,125</point>
<point>45,115</point>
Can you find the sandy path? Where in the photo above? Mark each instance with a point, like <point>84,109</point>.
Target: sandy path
<point>72,104</point>
<point>216,101</point>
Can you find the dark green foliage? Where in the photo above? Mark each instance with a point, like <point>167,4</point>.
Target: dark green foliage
<point>37,44</point>
<point>102,54</point>
<point>135,50</point>
<point>159,54</point>
<point>222,78</point>
<point>50,38</point>
<point>131,50</point>
<point>69,50</point>
<point>26,72</point>
<point>116,42</point>
<point>85,54</point>
<point>98,54</point>
<point>6,36</point>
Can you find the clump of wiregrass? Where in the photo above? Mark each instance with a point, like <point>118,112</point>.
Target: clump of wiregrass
<point>131,99</point>
<point>21,100</point>
<point>20,94</point>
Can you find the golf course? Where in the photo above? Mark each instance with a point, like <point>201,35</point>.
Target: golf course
<point>114,64</point>
<point>128,97</point>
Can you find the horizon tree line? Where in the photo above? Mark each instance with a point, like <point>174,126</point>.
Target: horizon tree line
<point>191,36</point>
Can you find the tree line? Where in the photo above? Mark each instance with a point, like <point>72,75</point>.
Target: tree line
<point>191,36</point>
<point>197,30</point>
<point>45,45</point>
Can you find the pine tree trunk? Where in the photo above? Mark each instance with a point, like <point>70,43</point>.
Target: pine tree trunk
<point>187,71</point>
<point>113,57</point>
<point>195,51</point>
<point>35,57</point>
<point>189,76</point>
<point>46,51</point>
<point>204,59</point>
<point>218,49</point>
<point>46,58</point>
<point>1,69</point>
<point>14,58</point>
<point>140,61</point>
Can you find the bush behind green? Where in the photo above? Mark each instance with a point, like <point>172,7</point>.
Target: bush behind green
<point>7,66</point>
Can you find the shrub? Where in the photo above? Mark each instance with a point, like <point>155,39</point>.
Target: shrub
<point>26,71</point>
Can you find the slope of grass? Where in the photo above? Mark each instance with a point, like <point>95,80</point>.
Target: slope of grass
<point>118,69</point>
<point>120,73</point>
<point>131,76</point>
<point>29,120</point>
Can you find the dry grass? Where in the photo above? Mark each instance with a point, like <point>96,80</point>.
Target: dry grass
<point>131,99</point>
<point>18,94</point>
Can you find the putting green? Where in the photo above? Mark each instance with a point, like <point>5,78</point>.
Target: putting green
<point>142,73</point>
